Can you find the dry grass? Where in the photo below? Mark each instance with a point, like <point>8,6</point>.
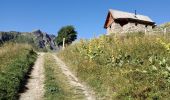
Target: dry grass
<point>9,50</point>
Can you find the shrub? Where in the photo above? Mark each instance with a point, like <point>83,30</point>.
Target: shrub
<point>67,32</point>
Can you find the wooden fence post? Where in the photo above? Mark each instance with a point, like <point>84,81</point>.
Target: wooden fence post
<point>164,31</point>
<point>145,31</point>
<point>63,43</point>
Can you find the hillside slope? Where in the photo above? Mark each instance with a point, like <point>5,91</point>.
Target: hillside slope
<point>16,61</point>
<point>123,68</point>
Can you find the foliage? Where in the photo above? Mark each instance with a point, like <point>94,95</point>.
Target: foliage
<point>16,60</point>
<point>129,67</point>
<point>166,45</point>
<point>161,28</point>
<point>165,25</point>
<point>67,32</point>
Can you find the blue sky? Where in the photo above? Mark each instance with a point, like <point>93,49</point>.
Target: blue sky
<point>88,16</point>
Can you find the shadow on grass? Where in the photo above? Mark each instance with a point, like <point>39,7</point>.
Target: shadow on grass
<point>23,88</point>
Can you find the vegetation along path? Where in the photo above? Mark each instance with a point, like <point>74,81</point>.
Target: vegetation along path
<point>73,80</point>
<point>34,87</point>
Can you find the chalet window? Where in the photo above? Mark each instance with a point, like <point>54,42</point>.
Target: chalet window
<point>146,26</point>
<point>136,24</point>
<point>110,26</point>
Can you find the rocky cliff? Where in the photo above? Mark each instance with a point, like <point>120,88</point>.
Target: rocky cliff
<point>37,38</point>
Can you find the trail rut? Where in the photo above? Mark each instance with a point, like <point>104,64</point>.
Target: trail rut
<point>35,85</point>
<point>73,80</point>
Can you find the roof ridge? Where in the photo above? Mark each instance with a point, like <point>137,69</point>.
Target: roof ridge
<point>126,12</point>
<point>123,14</point>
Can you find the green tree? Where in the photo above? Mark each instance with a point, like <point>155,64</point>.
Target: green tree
<point>67,32</point>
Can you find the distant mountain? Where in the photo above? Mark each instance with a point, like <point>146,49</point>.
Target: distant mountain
<point>37,38</point>
<point>44,40</point>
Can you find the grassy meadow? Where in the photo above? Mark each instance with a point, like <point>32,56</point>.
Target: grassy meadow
<point>15,62</point>
<point>123,67</point>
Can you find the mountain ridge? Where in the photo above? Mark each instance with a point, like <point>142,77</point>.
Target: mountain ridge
<point>39,39</point>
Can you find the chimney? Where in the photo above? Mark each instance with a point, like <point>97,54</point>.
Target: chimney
<point>135,14</point>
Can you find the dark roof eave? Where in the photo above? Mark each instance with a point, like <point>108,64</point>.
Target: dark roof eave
<point>135,20</point>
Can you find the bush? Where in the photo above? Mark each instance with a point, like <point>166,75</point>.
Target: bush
<point>16,60</point>
<point>67,32</point>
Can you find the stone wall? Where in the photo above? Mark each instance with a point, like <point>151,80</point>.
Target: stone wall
<point>128,28</point>
<point>114,28</point>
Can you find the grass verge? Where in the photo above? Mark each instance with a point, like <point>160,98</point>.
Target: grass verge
<point>15,61</point>
<point>57,86</point>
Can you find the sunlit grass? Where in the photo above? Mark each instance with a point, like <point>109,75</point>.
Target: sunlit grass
<point>122,67</point>
<point>15,61</point>
<point>9,50</point>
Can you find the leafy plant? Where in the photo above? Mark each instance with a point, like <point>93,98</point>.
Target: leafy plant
<point>128,67</point>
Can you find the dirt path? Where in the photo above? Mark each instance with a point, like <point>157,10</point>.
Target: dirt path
<point>35,83</point>
<point>73,80</point>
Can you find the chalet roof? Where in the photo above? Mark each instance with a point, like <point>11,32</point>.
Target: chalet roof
<point>123,15</point>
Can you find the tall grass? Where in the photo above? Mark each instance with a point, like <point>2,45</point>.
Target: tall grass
<point>129,67</point>
<point>15,61</point>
